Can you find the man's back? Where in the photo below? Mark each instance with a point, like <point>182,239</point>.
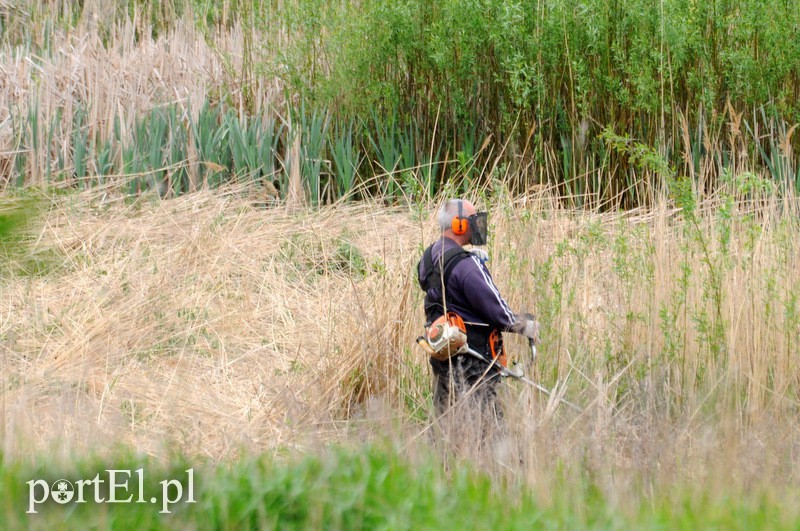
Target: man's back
<point>469,289</point>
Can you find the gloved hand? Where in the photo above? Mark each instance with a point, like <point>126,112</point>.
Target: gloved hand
<point>482,255</point>
<point>527,326</point>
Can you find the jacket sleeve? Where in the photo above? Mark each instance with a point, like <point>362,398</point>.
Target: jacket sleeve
<point>484,297</point>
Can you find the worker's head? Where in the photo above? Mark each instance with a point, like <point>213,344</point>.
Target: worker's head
<point>459,221</point>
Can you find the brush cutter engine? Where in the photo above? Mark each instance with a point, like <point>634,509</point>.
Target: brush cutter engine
<point>447,336</point>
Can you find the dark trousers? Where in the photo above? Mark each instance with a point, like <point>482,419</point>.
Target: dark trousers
<point>468,379</point>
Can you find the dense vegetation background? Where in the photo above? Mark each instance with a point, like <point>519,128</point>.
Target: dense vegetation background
<point>423,92</point>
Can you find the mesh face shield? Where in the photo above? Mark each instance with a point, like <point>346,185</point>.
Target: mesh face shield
<point>479,222</point>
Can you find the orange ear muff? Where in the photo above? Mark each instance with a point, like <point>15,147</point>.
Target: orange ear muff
<point>459,223</point>
<point>460,226</point>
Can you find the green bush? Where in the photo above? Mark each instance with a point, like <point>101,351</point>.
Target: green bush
<point>427,81</point>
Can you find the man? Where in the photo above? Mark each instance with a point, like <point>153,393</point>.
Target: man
<point>455,280</point>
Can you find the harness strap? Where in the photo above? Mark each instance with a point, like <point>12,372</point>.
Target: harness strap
<point>434,279</point>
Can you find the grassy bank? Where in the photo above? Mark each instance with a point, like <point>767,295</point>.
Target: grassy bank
<point>374,488</point>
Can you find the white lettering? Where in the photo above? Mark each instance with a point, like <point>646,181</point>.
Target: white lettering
<point>113,485</point>
<point>165,499</point>
<point>190,498</point>
<point>32,500</point>
<point>64,491</point>
<point>79,486</point>
<point>140,473</point>
<point>97,482</point>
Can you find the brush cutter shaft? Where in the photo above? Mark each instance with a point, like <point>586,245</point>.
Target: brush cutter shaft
<point>520,376</point>
<point>548,393</point>
<point>504,371</point>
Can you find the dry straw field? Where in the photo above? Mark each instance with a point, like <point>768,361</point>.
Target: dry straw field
<point>210,327</point>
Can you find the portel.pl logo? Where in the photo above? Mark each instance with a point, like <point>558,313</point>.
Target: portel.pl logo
<point>111,489</point>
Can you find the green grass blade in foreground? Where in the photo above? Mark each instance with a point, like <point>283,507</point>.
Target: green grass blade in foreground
<point>374,488</point>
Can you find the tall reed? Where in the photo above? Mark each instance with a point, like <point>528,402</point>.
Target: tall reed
<point>708,85</point>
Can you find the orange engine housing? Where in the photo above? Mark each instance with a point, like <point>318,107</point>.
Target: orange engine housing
<point>447,336</point>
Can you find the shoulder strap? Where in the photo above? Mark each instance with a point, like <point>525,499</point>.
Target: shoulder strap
<point>427,266</point>
<point>451,259</point>
<point>433,276</point>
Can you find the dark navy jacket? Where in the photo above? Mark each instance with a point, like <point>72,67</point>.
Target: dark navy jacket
<point>470,292</point>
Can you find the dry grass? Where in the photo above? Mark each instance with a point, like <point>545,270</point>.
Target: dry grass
<point>203,323</point>
<point>206,326</point>
<point>118,80</point>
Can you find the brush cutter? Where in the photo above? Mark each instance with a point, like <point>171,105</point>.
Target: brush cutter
<point>515,371</point>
